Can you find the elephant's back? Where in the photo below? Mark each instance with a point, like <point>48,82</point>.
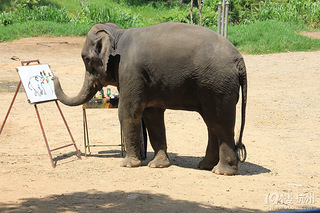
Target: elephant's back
<point>177,40</point>
<point>179,57</point>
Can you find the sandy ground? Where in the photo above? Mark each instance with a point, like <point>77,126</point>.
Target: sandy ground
<point>282,138</point>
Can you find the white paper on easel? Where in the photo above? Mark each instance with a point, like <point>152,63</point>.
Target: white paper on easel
<point>37,82</point>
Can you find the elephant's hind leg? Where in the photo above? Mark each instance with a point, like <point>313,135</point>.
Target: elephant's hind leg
<point>221,120</point>
<point>212,153</point>
<point>154,119</point>
<point>228,162</point>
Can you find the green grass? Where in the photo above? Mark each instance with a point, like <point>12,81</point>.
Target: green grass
<point>271,37</point>
<point>75,17</point>
<point>42,28</point>
<point>305,11</point>
<point>5,4</point>
<point>258,38</point>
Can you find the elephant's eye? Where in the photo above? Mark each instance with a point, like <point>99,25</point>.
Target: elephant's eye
<point>96,63</point>
<point>85,59</point>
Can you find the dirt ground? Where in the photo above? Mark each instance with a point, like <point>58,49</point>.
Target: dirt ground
<point>281,135</point>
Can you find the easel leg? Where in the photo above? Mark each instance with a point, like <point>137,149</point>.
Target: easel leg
<point>14,98</point>
<point>65,122</point>
<point>85,132</point>
<point>44,136</point>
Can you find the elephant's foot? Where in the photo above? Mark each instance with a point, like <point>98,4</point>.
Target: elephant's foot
<point>207,164</point>
<point>160,161</point>
<point>225,169</point>
<point>131,162</point>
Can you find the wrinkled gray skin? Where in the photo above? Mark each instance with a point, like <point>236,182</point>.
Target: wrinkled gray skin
<point>167,66</point>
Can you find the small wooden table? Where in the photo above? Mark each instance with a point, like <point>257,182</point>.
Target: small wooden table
<point>104,103</point>
<point>98,103</point>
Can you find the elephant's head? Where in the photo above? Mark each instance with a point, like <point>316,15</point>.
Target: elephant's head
<point>100,64</point>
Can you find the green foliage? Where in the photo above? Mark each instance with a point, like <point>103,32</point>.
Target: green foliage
<point>250,11</point>
<point>91,14</point>
<point>19,4</point>
<point>209,16</point>
<point>256,27</point>
<point>306,11</point>
<point>88,14</point>
<point>5,5</point>
<point>153,12</point>
<point>42,28</point>
<point>176,15</point>
<point>271,37</point>
<point>240,11</point>
<point>38,13</point>
<point>143,12</point>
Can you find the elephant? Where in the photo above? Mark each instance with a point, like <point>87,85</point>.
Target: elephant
<point>36,85</point>
<point>173,66</point>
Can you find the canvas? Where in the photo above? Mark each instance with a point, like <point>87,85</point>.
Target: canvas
<point>37,83</point>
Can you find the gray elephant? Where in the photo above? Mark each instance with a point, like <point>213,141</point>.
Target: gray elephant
<point>167,66</point>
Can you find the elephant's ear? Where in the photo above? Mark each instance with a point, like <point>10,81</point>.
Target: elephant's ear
<point>113,66</point>
<point>111,38</point>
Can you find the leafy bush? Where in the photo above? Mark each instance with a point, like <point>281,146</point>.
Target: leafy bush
<point>306,11</point>
<point>38,13</point>
<point>176,15</point>
<point>143,13</point>
<point>18,4</point>
<point>91,14</point>
<point>209,16</point>
<point>251,11</point>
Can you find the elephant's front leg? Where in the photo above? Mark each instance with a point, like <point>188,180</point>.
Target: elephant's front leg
<point>154,119</point>
<point>131,128</point>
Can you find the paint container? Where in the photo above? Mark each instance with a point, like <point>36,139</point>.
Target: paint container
<point>114,99</point>
<point>108,92</point>
<point>101,93</point>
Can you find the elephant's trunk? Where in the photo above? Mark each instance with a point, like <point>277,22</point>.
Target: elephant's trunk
<point>88,90</point>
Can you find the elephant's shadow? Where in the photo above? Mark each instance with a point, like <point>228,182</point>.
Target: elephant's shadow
<point>191,162</point>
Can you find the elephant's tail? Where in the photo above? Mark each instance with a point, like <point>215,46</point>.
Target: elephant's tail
<point>240,148</point>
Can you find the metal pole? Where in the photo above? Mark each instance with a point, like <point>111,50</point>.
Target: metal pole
<point>65,122</point>
<point>14,98</point>
<point>219,18</point>
<point>84,130</point>
<point>44,136</point>
<point>191,14</point>
<point>226,21</point>
<point>222,24</point>
<point>200,10</point>
<point>15,95</point>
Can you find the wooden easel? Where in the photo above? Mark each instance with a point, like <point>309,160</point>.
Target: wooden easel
<point>26,63</point>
